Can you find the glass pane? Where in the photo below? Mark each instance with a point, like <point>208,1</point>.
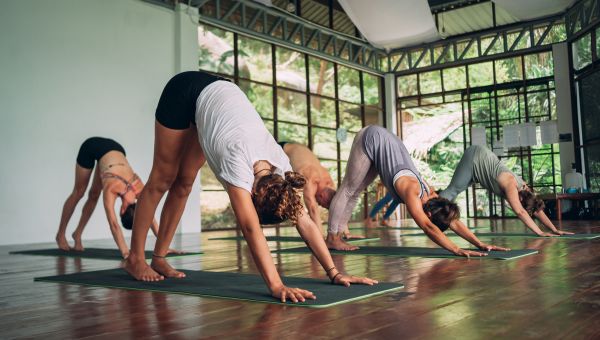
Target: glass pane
<point>582,52</point>
<point>322,112</point>
<point>255,60</point>
<point>593,161</point>
<point>509,69</point>
<point>332,168</point>
<point>373,115</point>
<point>322,77</point>
<point>291,70</point>
<point>291,106</point>
<point>430,82</point>
<point>261,96</point>
<point>407,85</point>
<point>481,74</point>
<point>292,133</point>
<point>372,90</point>
<point>455,78</point>
<point>349,84</point>
<point>350,117</point>
<point>215,50</point>
<point>590,106</point>
<point>270,126</point>
<point>346,146</point>
<point>539,65</point>
<point>208,180</point>
<point>215,210</point>
<point>324,143</point>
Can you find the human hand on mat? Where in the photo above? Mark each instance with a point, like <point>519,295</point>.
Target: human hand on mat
<point>346,280</point>
<point>547,235</point>
<point>490,247</point>
<point>293,294</point>
<point>560,232</point>
<point>469,253</point>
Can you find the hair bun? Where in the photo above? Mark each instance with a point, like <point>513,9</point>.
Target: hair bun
<point>295,179</point>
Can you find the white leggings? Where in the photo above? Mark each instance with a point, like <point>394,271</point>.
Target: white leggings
<point>360,172</point>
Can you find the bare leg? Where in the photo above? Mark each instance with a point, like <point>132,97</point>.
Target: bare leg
<point>168,148</point>
<point>191,162</point>
<point>88,209</point>
<point>82,177</point>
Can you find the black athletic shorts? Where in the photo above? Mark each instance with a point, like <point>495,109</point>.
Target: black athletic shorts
<point>94,148</point>
<point>177,105</point>
<point>282,144</point>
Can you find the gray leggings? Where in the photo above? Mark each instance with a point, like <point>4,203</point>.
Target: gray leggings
<point>462,177</point>
<point>360,172</point>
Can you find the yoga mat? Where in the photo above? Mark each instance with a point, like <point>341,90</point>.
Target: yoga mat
<point>235,286</point>
<point>289,239</point>
<point>416,252</point>
<point>91,253</point>
<point>569,237</point>
<point>398,228</point>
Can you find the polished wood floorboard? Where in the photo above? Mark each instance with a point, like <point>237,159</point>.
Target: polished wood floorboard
<point>552,295</point>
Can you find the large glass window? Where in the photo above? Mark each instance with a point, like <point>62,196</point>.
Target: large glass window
<point>293,108</point>
<point>437,122</point>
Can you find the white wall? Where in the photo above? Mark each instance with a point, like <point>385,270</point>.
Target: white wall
<point>70,70</point>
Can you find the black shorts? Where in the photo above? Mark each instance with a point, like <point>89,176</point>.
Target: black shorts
<point>282,144</point>
<point>94,148</point>
<point>177,105</point>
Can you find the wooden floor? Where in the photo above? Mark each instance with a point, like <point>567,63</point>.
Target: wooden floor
<point>555,294</point>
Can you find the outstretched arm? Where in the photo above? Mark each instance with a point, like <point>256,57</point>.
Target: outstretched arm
<point>415,208</point>
<point>109,207</point>
<point>512,197</point>
<point>314,240</point>
<point>246,217</point>
<point>310,190</point>
<point>541,215</point>
<point>463,231</point>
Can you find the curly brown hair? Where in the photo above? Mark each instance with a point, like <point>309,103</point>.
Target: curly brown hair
<point>530,202</point>
<point>277,199</point>
<point>442,212</point>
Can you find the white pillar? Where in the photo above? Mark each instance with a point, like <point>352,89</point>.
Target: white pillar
<point>186,59</point>
<point>391,116</point>
<point>562,81</point>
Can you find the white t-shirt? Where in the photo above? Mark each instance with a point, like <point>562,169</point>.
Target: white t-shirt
<point>234,137</point>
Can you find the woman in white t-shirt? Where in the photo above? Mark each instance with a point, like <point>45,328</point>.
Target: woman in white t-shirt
<point>201,118</point>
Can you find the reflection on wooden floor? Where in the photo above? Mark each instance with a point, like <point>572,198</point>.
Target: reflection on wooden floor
<point>554,294</point>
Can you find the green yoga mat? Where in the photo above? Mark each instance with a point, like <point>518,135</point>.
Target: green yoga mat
<point>416,252</point>
<point>399,228</point>
<point>235,286</point>
<point>289,239</point>
<point>568,237</point>
<point>91,253</point>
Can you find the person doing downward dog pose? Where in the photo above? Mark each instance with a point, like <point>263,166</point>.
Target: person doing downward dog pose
<point>480,165</point>
<point>319,188</point>
<point>385,220</point>
<point>376,151</point>
<point>113,178</point>
<point>202,117</point>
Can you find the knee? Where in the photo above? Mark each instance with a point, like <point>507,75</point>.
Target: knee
<point>182,187</point>
<point>160,184</point>
<point>94,195</point>
<point>78,194</point>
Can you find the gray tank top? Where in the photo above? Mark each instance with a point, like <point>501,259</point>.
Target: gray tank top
<point>389,156</point>
<point>486,169</point>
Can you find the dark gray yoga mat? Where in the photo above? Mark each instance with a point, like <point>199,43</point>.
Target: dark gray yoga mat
<point>416,252</point>
<point>236,286</point>
<point>91,253</point>
<point>289,239</point>
<point>568,237</point>
<point>398,228</point>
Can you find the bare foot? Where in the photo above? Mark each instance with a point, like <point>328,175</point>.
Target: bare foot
<point>335,242</point>
<point>370,223</point>
<point>140,270</point>
<point>386,223</point>
<point>349,236</point>
<point>78,244</point>
<point>163,267</point>
<point>62,242</point>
